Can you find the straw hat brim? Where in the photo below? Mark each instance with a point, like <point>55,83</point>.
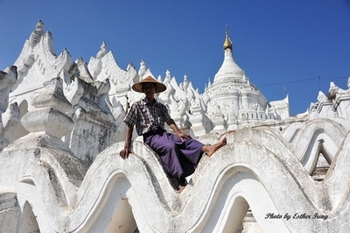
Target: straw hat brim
<point>160,87</point>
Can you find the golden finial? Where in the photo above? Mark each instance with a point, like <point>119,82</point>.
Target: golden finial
<point>227,43</point>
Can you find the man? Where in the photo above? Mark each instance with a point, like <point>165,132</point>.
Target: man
<point>179,153</point>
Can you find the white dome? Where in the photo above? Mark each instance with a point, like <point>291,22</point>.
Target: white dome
<point>229,69</point>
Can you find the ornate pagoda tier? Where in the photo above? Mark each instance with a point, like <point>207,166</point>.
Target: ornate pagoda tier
<point>239,100</point>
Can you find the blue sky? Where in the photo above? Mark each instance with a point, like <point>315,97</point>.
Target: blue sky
<point>294,47</point>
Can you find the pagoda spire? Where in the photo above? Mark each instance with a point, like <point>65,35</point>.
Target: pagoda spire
<point>227,43</point>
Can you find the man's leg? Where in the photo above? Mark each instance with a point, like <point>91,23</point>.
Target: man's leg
<point>168,153</point>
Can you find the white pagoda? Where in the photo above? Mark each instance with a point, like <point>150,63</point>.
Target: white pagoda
<point>61,131</point>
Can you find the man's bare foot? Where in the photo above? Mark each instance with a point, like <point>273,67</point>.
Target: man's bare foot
<point>181,188</point>
<point>211,149</point>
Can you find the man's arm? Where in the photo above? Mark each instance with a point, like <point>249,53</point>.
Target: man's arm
<point>176,129</point>
<point>128,135</point>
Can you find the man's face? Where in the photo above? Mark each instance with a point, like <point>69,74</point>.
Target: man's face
<point>149,89</point>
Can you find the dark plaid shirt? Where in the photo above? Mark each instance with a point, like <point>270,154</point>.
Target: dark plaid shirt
<point>143,114</point>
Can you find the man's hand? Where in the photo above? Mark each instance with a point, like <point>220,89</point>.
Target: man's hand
<point>125,153</point>
<point>183,135</point>
<point>128,134</point>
